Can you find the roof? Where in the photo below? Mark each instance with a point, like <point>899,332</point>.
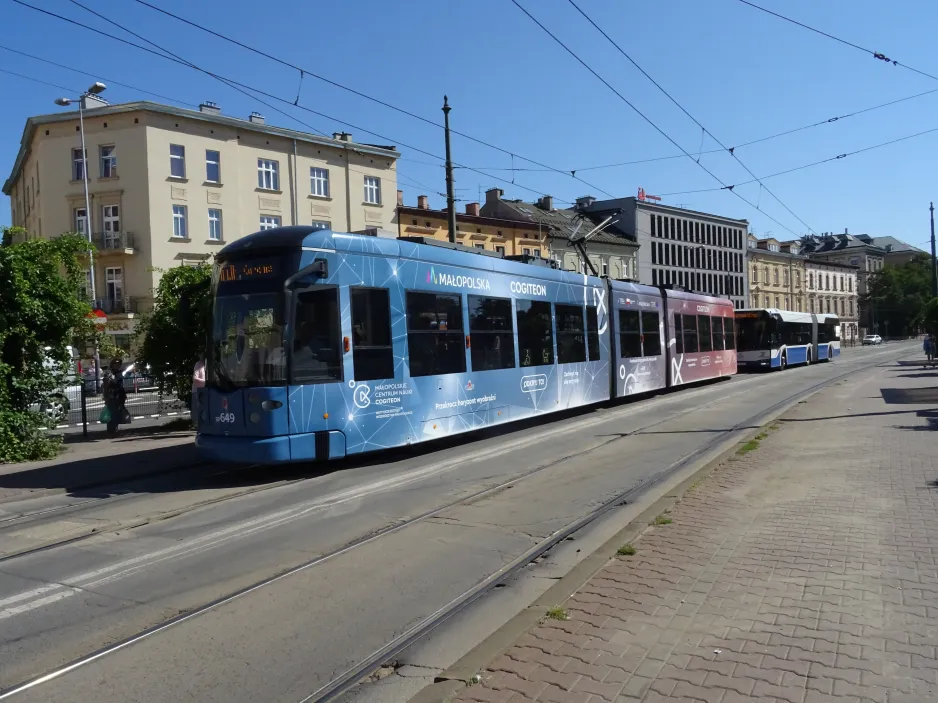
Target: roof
<point>463,217</point>
<point>832,244</point>
<point>645,204</point>
<point>893,245</point>
<point>147,106</point>
<point>756,253</point>
<point>563,224</point>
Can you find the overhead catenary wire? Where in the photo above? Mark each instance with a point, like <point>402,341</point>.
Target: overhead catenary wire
<point>307,72</point>
<point>646,118</point>
<point>37,80</point>
<point>875,54</point>
<point>670,97</point>
<point>270,95</point>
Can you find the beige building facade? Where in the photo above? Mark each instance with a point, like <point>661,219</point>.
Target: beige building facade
<point>170,187</point>
<point>776,275</point>
<point>832,288</point>
<point>506,237</point>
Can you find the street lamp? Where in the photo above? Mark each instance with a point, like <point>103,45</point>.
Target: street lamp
<point>95,89</point>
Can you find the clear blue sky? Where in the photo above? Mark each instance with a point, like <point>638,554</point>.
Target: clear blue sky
<point>742,73</point>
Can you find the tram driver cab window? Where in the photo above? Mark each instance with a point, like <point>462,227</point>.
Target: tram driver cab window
<point>316,356</point>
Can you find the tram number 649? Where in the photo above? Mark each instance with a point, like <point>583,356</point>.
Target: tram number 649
<point>225,417</point>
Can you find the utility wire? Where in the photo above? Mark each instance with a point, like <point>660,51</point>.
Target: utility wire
<point>645,117</point>
<point>812,164</point>
<point>313,74</point>
<point>268,95</point>
<point>37,80</point>
<point>684,110</point>
<point>875,54</point>
<point>96,76</point>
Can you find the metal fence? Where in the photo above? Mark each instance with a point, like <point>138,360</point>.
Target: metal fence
<point>78,403</point>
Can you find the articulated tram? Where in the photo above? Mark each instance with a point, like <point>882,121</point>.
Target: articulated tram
<point>326,344</point>
<point>775,339</point>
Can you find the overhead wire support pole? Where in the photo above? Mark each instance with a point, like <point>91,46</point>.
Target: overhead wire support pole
<point>450,197</point>
<point>934,262</point>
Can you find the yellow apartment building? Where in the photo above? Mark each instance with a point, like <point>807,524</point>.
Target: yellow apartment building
<point>171,186</point>
<point>776,275</point>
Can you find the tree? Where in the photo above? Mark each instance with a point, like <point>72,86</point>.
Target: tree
<point>898,294</point>
<point>174,332</point>
<point>930,316</point>
<point>41,313</point>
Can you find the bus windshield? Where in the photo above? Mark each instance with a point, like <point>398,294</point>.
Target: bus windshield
<point>754,333</point>
<point>247,341</point>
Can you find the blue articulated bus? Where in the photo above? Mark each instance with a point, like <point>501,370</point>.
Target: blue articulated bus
<point>326,344</point>
<point>775,339</point>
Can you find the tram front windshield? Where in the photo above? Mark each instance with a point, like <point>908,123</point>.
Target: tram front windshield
<point>754,332</point>
<point>248,341</point>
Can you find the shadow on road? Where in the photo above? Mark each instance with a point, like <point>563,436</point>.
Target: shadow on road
<point>910,396</point>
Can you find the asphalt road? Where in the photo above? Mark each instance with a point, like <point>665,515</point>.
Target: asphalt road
<point>285,640</point>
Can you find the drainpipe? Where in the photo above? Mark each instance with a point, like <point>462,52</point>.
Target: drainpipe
<point>348,189</point>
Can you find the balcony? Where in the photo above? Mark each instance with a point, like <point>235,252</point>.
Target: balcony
<point>113,242</point>
<point>115,306</point>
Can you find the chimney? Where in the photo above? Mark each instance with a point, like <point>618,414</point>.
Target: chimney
<point>256,118</point>
<point>400,198</point>
<point>493,195</point>
<point>423,202</point>
<point>846,231</point>
<point>584,202</point>
<point>342,136</point>
<point>209,107</point>
<point>546,203</point>
<point>472,209</point>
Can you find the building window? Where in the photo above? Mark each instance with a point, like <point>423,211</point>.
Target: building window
<point>526,251</point>
<point>786,303</point>
<point>108,161</point>
<point>373,190</point>
<point>81,221</point>
<point>778,302</point>
<point>214,225</point>
<point>212,166</point>
<point>773,247</point>
<point>269,222</point>
<point>479,246</point>
<point>180,224</point>
<point>321,224</point>
<point>113,285</point>
<point>435,341</point>
<point>768,303</point>
<point>112,225</point>
<point>78,166</point>
<point>535,333</point>
<point>177,161</point>
<point>316,353</point>
<point>372,351</point>
<point>850,285</point>
<point>319,182</point>
<point>798,279</point>
<point>500,249</point>
<point>841,283</point>
<point>654,232</point>
<point>268,174</point>
<point>753,244</point>
<point>851,308</point>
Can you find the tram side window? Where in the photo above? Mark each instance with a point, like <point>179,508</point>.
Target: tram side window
<point>535,333</point>
<point>630,334</point>
<point>435,340</point>
<point>491,331</point>
<point>651,334</point>
<point>592,333</point>
<point>372,352</point>
<point>678,334</point>
<point>571,342</point>
<point>316,355</point>
<point>716,326</point>
<point>703,333</point>
<point>690,334</point>
<point>729,332</point>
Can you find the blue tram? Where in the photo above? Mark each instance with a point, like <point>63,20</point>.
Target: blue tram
<point>776,339</point>
<point>326,344</point>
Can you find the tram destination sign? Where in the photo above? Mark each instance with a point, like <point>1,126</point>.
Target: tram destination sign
<point>255,269</point>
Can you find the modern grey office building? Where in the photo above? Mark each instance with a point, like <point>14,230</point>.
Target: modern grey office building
<point>698,251</point>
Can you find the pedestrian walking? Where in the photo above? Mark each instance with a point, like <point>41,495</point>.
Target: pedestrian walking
<point>115,397</point>
<point>198,381</point>
<point>929,348</point>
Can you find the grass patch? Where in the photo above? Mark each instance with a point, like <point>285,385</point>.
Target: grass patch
<point>663,520</point>
<point>558,612</point>
<point>749,446</point>
<point>626,550</point>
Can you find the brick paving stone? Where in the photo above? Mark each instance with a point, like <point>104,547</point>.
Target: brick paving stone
<point>806,570</point>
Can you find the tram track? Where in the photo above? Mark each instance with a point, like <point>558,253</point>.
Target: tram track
<point>353,675</point>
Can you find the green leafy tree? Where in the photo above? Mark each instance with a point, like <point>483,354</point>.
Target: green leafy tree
<point>930,316</point>
<point>172,335</point>
<point>41,313</point>
<point>898,295</point>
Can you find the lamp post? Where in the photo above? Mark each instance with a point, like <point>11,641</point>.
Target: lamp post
<point>95,89</point>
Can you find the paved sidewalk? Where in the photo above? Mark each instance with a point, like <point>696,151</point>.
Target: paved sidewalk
<point>803,570</point>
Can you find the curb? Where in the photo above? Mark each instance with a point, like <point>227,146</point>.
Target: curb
<point>450,682</point>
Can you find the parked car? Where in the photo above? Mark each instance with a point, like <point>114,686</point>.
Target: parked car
<point>136,380</point>
<point>872,339</point>
<point>57,404</point>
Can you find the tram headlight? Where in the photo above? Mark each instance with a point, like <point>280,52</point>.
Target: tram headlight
<point>255,418</point>
<point>271,404</point>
